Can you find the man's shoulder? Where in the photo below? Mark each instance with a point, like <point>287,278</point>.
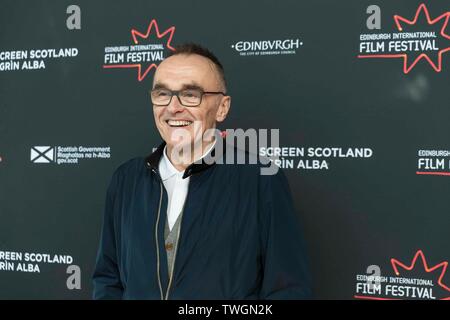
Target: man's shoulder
<point>237,155</point>
<point>248,163</point>
<point>131,167</point>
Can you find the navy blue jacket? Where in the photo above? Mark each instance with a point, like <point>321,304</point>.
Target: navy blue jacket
<point>239,236</point>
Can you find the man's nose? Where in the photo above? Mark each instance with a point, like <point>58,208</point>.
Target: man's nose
<point>175,106</point>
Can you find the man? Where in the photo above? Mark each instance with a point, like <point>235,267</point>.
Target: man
<point>179,227</point>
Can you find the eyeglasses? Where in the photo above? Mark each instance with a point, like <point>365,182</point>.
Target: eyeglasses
<point>186,97</point>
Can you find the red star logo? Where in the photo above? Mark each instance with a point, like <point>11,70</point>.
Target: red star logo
<point>136,35</point>
<point>443,266</point>
<point>407,66</point>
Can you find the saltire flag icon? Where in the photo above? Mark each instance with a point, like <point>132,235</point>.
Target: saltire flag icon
<point>42,154</point>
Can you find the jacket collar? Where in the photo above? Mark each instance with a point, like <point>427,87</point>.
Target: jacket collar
<point>166,168</point>
<point>152,160</point>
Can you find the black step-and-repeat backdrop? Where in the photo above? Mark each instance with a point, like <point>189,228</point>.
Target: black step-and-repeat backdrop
<point>359,90</point>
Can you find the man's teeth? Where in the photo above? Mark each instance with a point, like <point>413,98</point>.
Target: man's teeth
<point>178,123</point>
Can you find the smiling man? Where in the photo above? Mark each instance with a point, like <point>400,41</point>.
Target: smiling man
<point>196,80</point>
<point>177,226</point>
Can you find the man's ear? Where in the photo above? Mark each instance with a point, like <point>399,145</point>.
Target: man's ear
<point>224,107</point>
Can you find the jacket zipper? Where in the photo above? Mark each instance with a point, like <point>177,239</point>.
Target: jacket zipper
<point>157,242</point>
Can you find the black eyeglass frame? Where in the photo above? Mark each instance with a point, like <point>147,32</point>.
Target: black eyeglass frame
<point>177,92</point>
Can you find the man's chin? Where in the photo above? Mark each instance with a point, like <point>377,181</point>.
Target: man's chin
<point>177,133</point>
<point>179,145</point>
<point>179,136</point>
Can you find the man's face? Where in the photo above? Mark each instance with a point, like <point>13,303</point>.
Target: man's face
<point>180,72</point>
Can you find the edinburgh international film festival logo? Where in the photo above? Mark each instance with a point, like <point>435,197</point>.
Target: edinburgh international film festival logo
<point>145,52</point>
<point>418,37</point>
<point>409,279</point>
<point>435,162</point>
